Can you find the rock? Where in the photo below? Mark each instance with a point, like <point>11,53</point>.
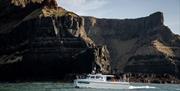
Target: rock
<point>48,42</point>
<point>103,60</point>
<point>50,4</point>
<point>142,45</point>
<point>14,11</point>
<point>156,19</point>
<point>39,40</point>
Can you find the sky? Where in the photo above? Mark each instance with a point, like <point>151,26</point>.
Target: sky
<point>121,9</point>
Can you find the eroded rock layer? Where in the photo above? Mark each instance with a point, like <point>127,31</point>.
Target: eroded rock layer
<point>39,40</point>
<point>144,45</point>
<point>48,42</point>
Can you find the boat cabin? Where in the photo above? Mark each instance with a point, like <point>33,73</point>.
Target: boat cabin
<point>100,81</point>
<point>101,77</point>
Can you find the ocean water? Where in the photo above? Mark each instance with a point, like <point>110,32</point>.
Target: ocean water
<point>49,86</point>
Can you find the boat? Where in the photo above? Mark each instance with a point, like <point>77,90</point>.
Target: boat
<point>100,81</point>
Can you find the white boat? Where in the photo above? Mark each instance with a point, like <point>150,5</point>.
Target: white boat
<point>101,81</point>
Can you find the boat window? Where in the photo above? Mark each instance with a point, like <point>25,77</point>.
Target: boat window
<point>92,77</point>
<point>109,78</point>
<point>99,77</point>
<point>88,77</point>
<point>83,82</point>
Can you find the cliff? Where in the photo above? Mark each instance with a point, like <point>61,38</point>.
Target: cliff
<point>40,40</point>
<point>138,46</point>
<point>14,11</point>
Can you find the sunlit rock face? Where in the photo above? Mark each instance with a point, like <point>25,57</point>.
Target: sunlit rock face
<point>143,45</point>
<point>47,42</point>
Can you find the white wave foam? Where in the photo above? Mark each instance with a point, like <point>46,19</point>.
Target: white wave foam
<point>141,87</point>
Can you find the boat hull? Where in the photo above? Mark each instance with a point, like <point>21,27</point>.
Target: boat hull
<point>101,84</point>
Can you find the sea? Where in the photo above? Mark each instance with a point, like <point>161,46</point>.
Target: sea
<point>52,86</point>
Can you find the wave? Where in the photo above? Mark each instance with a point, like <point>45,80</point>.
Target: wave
<point>141,87</point>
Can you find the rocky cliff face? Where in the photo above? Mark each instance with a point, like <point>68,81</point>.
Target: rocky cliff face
<point>40,40</point>
<point>144,45</point>
<point>45,41</point>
